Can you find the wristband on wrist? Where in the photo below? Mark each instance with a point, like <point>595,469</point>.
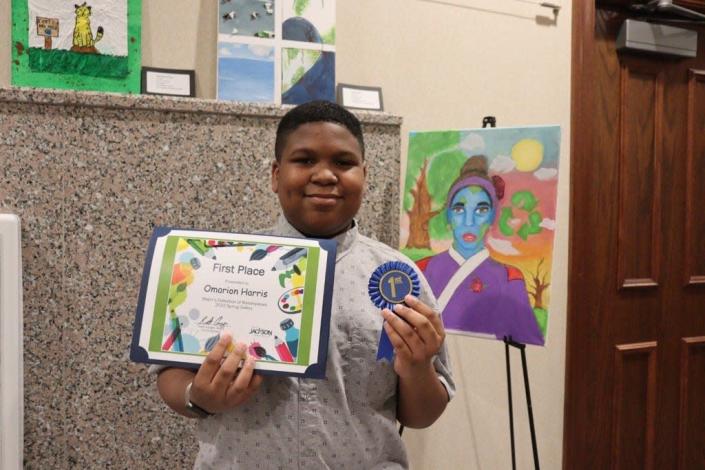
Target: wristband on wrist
<point>193,408</point>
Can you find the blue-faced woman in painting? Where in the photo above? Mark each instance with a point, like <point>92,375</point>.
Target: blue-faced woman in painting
<point>470,215</point>
<point>477,294</point>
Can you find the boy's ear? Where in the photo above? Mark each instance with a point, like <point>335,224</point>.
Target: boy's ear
<point>275,176</point>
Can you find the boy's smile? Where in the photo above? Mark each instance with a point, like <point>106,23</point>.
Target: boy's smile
<point>320,178</point>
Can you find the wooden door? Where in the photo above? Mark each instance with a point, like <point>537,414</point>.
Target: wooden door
<point>635,379</point>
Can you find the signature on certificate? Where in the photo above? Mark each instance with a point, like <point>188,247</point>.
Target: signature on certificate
<point>212,320</point>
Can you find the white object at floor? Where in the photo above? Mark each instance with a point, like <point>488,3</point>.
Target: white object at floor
<point>11,381</point>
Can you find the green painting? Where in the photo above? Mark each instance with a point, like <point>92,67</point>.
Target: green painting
<point>94,45</point>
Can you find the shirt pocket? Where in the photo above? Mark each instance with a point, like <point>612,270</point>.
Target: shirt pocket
<point>371,384</point>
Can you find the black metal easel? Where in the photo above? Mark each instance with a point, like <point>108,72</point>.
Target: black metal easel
<point>492,122</point>
<point>521,347</point>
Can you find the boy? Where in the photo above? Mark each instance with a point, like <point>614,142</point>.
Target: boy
<point>347,420</point>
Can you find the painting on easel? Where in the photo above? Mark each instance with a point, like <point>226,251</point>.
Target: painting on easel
<point>92,45</point>
<point>478,218</point>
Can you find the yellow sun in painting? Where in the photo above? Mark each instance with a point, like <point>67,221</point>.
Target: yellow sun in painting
<point>527,154</point>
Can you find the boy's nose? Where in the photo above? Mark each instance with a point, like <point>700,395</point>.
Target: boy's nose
<point>324,175</point>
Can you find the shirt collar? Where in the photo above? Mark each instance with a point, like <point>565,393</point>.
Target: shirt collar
<point>344,240</point>
<point>458,258</point>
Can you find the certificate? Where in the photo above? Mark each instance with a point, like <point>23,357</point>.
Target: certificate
<point>272,293</point>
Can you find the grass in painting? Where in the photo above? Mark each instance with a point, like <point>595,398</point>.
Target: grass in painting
<point>68,62</point>
<point>417,253</point>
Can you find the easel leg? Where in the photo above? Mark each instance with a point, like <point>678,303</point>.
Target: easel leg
<point>534,446</point>
<point>511,407</point>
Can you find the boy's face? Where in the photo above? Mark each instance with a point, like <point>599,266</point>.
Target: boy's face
<point>320,178</point>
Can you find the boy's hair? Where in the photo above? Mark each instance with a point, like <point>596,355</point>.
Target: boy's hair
<point>317,111</point>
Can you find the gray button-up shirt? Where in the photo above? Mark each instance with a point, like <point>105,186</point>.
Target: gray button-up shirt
<point>348,419</point>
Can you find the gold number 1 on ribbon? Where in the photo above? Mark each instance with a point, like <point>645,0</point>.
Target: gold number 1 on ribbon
<point>393,281</point>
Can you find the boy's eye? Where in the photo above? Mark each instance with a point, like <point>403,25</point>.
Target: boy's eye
<point>303,160</point>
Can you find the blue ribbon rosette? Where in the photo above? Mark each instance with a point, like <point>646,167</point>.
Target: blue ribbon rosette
<point>388,286</point>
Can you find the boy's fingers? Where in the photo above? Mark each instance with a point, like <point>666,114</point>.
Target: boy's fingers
<point>411,316</point>
<point>256,382</point>
<point>399,344</point>
<point>211,364</point>
<point>244,384</point>
<point>422,325</point>
<point>229,367</point>
<point>418,305</point>
<point>435,319</point>
<point>404,330</point>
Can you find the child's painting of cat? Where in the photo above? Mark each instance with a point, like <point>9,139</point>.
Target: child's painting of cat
<point>91,45</point>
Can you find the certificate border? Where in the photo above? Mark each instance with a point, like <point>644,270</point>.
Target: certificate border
<point>192,81</point>
<point>315,370</point>
<point>339,96</point>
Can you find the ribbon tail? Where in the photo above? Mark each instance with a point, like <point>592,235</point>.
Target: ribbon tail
<point>385,351</point>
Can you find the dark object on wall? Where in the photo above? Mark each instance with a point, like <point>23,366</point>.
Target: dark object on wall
<point>489,121</point>
<point>169,82</point>
<point>666,10</point>
<point>641,36</point>
<point>360,97</point>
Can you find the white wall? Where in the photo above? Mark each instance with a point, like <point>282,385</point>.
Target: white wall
<point>441,65</point>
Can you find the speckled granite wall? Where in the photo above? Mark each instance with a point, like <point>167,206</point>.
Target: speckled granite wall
<point>90,175</point>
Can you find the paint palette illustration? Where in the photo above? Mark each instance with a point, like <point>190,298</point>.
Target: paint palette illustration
<point>292,301</point>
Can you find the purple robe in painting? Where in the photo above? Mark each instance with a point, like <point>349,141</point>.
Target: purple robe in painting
<point>490,300</point>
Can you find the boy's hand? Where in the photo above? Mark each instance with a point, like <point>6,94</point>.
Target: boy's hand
<point>221,384</point>
<point>417,333</point>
